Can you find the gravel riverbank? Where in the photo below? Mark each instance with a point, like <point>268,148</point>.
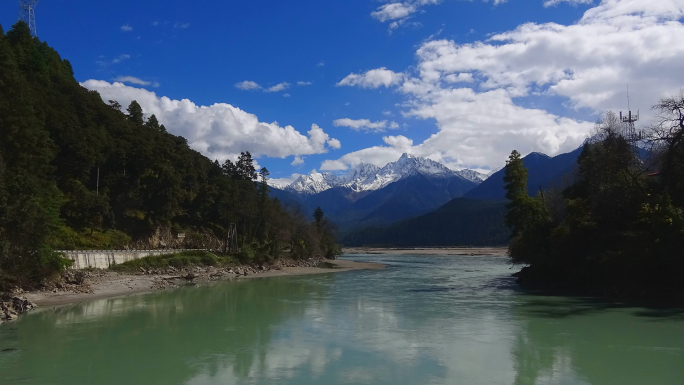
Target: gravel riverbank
<point>99,284</point>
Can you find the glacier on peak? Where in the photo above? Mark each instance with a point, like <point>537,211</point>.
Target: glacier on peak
<point>368,177</point>
<point>473,176</point>
<point>314,183</point>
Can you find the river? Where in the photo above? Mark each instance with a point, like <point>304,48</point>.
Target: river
<point>423,320</point>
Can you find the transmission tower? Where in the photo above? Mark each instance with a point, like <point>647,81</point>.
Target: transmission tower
<point>27,13</point>
<point>632,134</point>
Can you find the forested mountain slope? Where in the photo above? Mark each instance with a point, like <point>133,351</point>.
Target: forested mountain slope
<point>544,171</point>
<point>618,228</point>
<point>78,173</point>
<point>461,222</point>
<point>411,196</point>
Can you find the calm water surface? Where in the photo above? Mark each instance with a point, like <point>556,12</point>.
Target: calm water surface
<point>423,320</point>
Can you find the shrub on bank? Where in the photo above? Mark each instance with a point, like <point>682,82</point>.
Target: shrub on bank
<point>66,238</point>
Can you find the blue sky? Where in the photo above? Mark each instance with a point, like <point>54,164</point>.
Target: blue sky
<point>461,82</point>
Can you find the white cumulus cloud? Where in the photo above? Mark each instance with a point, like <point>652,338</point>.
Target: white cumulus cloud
<point>220,131</point>
<point>588,63</point>
<point>334,143</point>
<point>551,3</point>
<point>458,78</point>
<point>372,79</point>
<point>278,87</point>
<point>247,85</point>
<point>281,183</point>
<point>619,42</point>
<point>399,13</point>
<point>126,28</point>
<point>364,124</point>
<point>399,142</point>
<point>393,11</point>
<point>333,165</point>
<point>134,80</point>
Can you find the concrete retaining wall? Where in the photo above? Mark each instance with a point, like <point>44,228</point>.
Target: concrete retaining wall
<point>103,259</point>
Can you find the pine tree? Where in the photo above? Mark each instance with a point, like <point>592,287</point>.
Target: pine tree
<point>515,179</point>
<point>153,123</point>
<point>135,113</point>
<point>263,182</point>
<point>245,167</point>
<point>318,215</point>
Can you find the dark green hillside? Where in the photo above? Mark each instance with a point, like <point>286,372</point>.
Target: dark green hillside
<point>408,197</point>
<point>288,200</point>
<point>461,222</point>
<point>414,196</point>
<point>78,173</point>
<point>544,172</point>
<point>334,201</point>
<point>619,228</point>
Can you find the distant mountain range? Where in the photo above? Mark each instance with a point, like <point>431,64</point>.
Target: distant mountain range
<point>368,177</point>
<point>476,219</point>
<point>417,201</point>
<point>374,195</point>
<point>543,172</point>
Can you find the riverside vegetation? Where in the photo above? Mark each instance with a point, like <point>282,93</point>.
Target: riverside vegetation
<point>76,173</point>
<point>618,229</point>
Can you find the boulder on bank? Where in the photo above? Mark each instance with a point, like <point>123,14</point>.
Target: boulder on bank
<point>12,306</point>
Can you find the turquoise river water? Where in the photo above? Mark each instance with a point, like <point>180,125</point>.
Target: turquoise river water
<point>423,320</point>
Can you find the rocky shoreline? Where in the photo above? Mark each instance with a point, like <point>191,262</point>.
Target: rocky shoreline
<point>91,284</point>
<point>172,277</point>
<point>11,305</point>
<point>74,282</point>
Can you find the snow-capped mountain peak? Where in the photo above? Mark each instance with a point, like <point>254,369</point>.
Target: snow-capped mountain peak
<point>365,176</point>
<point>409,165</point>
<point>473,176</point>
<point>361,171</point>
<point>314,183</point>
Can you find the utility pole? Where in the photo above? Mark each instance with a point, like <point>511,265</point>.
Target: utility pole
<point>27,13</point>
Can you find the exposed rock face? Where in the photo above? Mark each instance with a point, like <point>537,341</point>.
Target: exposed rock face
<point>12,306</point>
<point>166,238</point>
<point>75,277</point>
<point>287,262</point>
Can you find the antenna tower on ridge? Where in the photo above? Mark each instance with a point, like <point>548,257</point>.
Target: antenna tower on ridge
<point>630,119</point>
<point>28,15</point>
